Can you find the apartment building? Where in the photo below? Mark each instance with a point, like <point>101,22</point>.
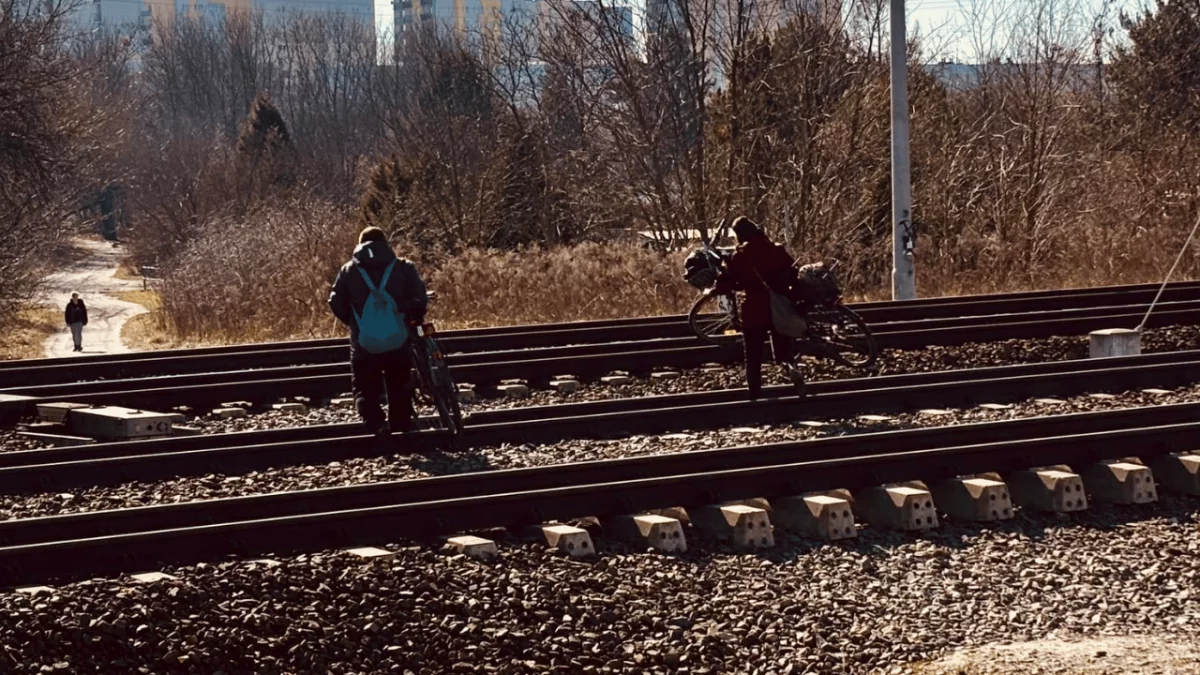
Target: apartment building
<point>124,13</point>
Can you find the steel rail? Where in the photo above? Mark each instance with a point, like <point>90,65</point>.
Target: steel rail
<point>117,463</point>
<point>311,352</point>
<point>322,382</point>
<point>123,540</point>
<point>615,405</point>
<point>280,504</point>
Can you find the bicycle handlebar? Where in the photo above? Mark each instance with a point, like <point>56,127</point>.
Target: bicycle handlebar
<point>721,232</point>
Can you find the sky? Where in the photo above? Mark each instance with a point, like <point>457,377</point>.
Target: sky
<point>955,29</point>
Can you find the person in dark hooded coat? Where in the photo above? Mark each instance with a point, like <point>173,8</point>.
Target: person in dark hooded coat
<point>757,263</point>
<point>373,374</point>
<point>76,318</point>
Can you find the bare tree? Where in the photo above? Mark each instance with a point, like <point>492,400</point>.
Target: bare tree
<point>651,105</point>
<point>49,140</point>
<point>437,107</point>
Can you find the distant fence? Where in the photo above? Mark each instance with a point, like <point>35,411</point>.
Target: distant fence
<point>149,274</point>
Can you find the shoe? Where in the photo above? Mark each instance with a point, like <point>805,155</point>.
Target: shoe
<point>797,378</point>
<point>380,430</point>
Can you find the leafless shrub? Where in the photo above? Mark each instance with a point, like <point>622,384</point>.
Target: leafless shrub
<point>587,281</point>
<point>263,274</point>
<point>266,276</point>
<point>51,140</point>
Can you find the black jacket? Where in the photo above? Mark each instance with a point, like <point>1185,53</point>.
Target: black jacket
<point>76,313</point>
<point>350,292</point>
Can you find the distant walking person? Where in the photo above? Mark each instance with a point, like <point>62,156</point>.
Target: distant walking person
<point>379,296</point>
<point>76,316</point>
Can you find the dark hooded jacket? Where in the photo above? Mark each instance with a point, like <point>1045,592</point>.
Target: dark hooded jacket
<point>350,292</point>
<point>76,313</point>
<point>755,262</point>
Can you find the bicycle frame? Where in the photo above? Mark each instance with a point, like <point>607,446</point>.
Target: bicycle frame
<point>721,253</point>
<point>425,350</point>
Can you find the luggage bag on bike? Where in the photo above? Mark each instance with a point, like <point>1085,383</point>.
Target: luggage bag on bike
<point>817,285</point>
<point>701,268</point>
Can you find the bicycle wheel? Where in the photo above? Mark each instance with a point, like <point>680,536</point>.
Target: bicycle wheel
<point>445,394</point>
<point>846,337</point>
<point>422,385</point>
<point>714,319</point>
<point>446,397</point>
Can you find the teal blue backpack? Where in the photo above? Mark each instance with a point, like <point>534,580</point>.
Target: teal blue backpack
<point>381,326</point>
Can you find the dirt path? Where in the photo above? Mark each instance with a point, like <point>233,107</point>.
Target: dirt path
<point>93,279</point>
<point>1092,656</point>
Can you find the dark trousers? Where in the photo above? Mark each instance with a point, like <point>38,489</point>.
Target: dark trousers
<point>371,375</point>
<point>755,339</point>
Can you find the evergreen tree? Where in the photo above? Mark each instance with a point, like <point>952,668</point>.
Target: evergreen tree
<point>264,129</point>
<point>387,195</point>
<point>1158,72</point>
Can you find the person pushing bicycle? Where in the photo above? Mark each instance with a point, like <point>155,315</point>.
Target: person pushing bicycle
<point>380,297</point>
<point>759,268</point>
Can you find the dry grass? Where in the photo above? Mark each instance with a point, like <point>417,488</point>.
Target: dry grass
<point>151,300</point>
<point>149,331</point>
<point>26,337</point>
<point>145,333</point>
<point>128,271</point>
<point>225,291</point>
<point>577,283</point>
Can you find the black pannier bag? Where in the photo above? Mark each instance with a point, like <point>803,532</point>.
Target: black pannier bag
<point>816,284</point>
<point>701,267</point>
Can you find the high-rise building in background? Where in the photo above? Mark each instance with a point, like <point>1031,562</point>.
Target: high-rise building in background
<point>393,21</point>
<point>124,13</point>
<point>466,17</point>
<point>720,19</point>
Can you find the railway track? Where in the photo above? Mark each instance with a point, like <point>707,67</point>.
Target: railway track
<point>540,365</point>
<point>115,463</point>
<point>101,542</point>
<point>968,313</point>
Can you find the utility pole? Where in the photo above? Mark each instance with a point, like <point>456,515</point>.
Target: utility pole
<point>904,284</point>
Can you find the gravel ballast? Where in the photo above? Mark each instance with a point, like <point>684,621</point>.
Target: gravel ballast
<point>883,603</point>
<point>11,441</point>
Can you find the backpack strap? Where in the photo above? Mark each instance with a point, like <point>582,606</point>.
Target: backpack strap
<point>382,282</point>
<point>760,276</point>
<point>760,279</point>
<point>387,273</point>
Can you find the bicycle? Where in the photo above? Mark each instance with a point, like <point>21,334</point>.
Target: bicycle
<point>835,331</point>
<point>714,318</point>
<point>433,377</point>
